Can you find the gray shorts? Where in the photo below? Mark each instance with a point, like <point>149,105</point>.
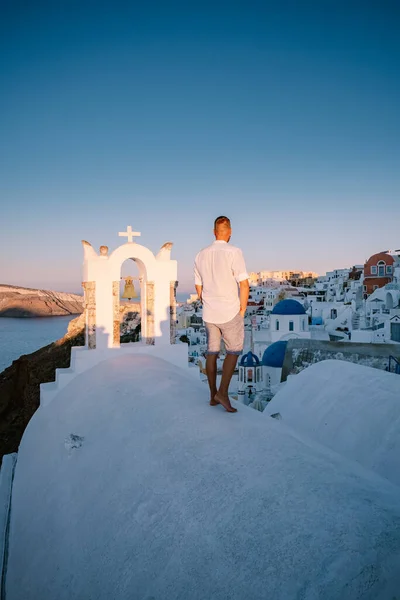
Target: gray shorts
<point>231,332</point>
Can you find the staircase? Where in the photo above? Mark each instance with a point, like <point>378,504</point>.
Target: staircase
<point>83,359</point>
<point>355,321</point>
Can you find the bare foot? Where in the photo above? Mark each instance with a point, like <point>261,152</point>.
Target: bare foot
<point>225,402</point>
<point>213,402</point>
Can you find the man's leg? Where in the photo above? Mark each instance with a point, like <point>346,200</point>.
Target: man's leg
<point>233,336</point>
<point>228,369</point>
<point>213,347</point>
<point>211,370</point>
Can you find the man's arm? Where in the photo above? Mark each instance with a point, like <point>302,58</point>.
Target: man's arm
<point>244,295</point>
<point>240,273</point>
<point>199,290</point>
<point>198,282</point>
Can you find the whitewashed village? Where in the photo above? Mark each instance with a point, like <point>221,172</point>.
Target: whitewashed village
<point>356,305</point>
<point>128,485</point>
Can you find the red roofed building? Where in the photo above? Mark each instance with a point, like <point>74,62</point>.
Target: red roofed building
<point>378,271</point>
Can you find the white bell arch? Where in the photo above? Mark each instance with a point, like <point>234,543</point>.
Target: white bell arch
<point>101,283</point>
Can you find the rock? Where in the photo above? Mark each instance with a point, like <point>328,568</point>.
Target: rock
<point>76,326</point>
<point>25,302</point>
<point>73,441</point>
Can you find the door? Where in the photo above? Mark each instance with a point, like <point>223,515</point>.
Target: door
<point>395,332</point>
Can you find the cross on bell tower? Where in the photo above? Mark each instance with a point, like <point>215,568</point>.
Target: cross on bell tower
<point>129,234</point>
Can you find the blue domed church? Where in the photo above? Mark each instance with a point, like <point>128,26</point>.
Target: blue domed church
<point>261,368</point>
<point>272,363</point>
<point>250,377</point>
<point>288,319</point>
<point>256,377</point>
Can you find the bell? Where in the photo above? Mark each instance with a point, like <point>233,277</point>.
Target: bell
<point>129,291</point>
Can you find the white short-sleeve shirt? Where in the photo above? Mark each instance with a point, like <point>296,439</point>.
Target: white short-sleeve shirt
<point>219,268</point>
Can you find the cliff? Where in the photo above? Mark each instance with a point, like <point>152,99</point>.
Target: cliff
<point>25,302</point>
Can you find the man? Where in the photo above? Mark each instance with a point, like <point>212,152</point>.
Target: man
<point>219,269</point>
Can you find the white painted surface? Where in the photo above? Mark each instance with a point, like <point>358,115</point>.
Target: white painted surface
<point>363,336</point>
<point>6,482</point>
<point>169,498</point>
<point>83,360</point>
<point>283,333</point>
<point>129,234</point>
<point>350,408</point>
<point>273,373</point>
<point>106,269</point>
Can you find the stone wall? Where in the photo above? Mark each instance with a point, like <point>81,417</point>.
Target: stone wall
<point>303,353</point>
<point>116,313</point>
<point>89,288</point>
<point>172,310</point>
<point>150,339</point>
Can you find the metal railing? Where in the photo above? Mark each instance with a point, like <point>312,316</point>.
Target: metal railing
<point>393,366</point>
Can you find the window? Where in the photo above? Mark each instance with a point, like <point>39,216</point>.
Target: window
<point>277,325</point>
<point>389,269</point>
<point>250,375</point>
<point>291,326</point>
<point>381,268</point>
<point>365,288</point>
<point>303,324</point>
<point>375,287</point>
<point>374,270</point>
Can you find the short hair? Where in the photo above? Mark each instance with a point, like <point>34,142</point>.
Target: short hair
<point>222,221</point>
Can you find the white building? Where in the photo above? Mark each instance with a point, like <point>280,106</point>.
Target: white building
<point>250,378</point>
<point>272,363</point>
<point>288,320</point>
<point>261,367</point>
<point>381,315</point>
<point>257,378</point>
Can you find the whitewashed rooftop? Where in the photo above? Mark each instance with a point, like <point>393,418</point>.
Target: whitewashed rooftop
<point>167,498</point>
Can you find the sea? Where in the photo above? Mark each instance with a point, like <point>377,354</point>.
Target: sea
<point>25,335</point>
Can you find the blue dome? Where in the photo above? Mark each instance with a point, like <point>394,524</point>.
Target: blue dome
<point>288,307</point>
<point>249,360</point>
<point>274,355</point>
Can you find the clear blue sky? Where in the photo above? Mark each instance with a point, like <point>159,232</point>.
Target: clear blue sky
<point>283,115</point>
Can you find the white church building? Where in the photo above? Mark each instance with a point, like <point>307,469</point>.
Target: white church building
<point>257,378</point>
<point>288,320</point>
<point>260,368</point>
